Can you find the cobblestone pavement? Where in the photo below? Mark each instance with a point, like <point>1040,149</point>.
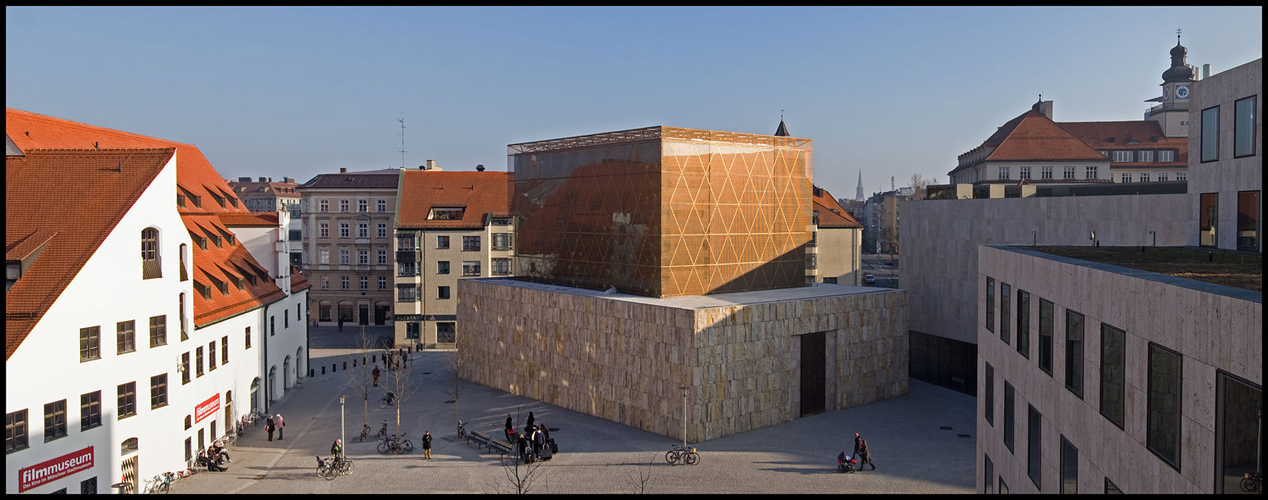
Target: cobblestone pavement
<point>912,451</point>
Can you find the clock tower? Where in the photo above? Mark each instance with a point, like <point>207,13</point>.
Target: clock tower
<point>1177,84</point>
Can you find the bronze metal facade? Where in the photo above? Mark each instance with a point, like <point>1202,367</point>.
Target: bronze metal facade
<point>663,211</point>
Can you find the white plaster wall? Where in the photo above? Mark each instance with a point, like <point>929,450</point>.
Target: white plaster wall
<point>939,241</point>
<point>1211,330</point>
<point>108,289</point>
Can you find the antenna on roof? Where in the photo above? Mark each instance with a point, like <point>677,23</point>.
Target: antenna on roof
<point>402,120</point>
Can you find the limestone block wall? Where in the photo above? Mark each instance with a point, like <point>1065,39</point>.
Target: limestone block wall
<point>627,360</point>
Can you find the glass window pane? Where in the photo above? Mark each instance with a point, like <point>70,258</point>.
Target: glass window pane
<point>1237,421</point>
<point>1034,445</point>
<point>1069,467</point>
<point>1248,220</point>
<point>1045,336</point>
<point>1208,219</point>
<point>1164,404</point>
<point>1244,127</point>
<point>1074,352</point>
<point>1113,372</point>
<point>1210,134</point>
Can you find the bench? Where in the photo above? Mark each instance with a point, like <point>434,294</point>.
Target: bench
<point>502,446</point>
<point>480,438</point>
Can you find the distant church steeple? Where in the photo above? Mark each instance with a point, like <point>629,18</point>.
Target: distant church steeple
<point>859,194</point>
<point>782,131</point>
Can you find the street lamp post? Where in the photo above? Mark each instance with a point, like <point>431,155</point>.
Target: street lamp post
<point>342,435</point>
<point>684,416</point>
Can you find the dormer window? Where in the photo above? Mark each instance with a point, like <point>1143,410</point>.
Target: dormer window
<point>220,285</point>
<point>180,200</point>
<point>220,201</point>
<point>198,240</point>
<point>446,213</point>
<point>150,267</point>
<point>203,290</point>
<point>215,238</point>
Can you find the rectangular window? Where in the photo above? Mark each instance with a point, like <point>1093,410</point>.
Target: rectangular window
<point>286,318</point>
<point>1034,440</point>
<point>363,205</point>
<point>382,282</point>
<point>1210,138</point>
<point>501,241</point>
<point>15,431</point>
<point>54,420</point>
<point>272,330</point>
<point>470,243</point>
<point>1208,219</point>
<point>1122,156</point>
<point>1237,432</point>
<point>224,350</point>
<point>1180,176</point>
<point>1003,172</point>
<point>1003,487</point>
<point>1023,323</point>
<point>363,230</point>
<point>381,205</point>
<point>1046,172</point>
<point>89,410</point>
<point>1089,172</point>
<point>1166,156</point>
<point>343,282</point>
<point>470,268</point>
<point>325,283</point>
<point>1074,352</point>
<point>1144,177</point>
<point>1045,336</point>
<point>1069,468</point>
<point>413,330</point>
<point>1162,177</point>
<point>198,361</point>
<point>446,213</point>
<point>382,230</point>
<point>127,336</point>
<point>1023,172</point>
<point>158,391</point>
<point>1248,220</point>
<point>89,343</point>
<point>407,269</point>
<point>502,267</point>
<point>343,256</point>
<point>323,205</point>
<point>323,255</point>
<point>127,400</point>
<point>158,331</point>
<point>1068,173</point>
<point>989,395</point>
<point>363,257</point>
<point>1244,127</point>
<point>364,282</point>
<point>990,304</point>
<point>445,332</point>
<point>1008,416</point>
<point>323,229</point>
<point>343,205</point>
<point>343,229</point>
<point>1113,373</point>
<point>406,293</point>
<point>988,480</point>
<point>442,242</point>
<point>1005,295</point>
<point>1111,488</point>
<point>211,356</point>
<point>1145,156</point>
<point>184,368</point>
<point>1163,403</point>
<point>1125,177</point>
<point>442,292</point>
<point>442,267</point>
<point>248,338</point>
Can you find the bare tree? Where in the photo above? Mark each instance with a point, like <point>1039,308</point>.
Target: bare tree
<point>519,475</point>
<point>638,483</point>
<point>452,384</point>
<point>400,381</point>
<point>919,184</point>
<point>363,374</point>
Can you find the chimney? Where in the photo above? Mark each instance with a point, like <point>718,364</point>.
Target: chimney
<point>431,164</point>
<point>1206,71</point>
<point>244,179</point>
<point>270,179</point>
<point>343,169</point>
<point>261,179</point>
<point>288,179</point>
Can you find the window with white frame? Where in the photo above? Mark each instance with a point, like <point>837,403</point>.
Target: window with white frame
<point>323,230</point>
<point>382,233</point>
<point>343,282</point>
<point>343,256</point>
<point>323,255</point>
<point>382,256</point>
<point>363,257</point>
<point>1180,176</point>
<point>343,205</point>
<point>1144,177</point>
<point>1068,173</point>
<point>363,229</point>
<point>1003,172</point>
<point>325,283</point>
<point>364,281</point>
<point>382,205</point>
<point>1123,156</point>
<point>1023,172</point>
<point>1145,156</point>
<point>323,205</point>
<point>1166,155</point>
<point>1125,177</point>
<point>1162,177</point>
<point>1046,172</point>
<point>363,205</point>
<point>501,267</point>
<point>1089,172</point>
<point>343,229</point>
<point>382,282</point>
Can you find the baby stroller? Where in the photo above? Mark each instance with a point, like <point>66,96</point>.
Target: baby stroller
<point>846,463</point>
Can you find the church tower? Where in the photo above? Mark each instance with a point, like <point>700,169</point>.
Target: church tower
<point>1177,82</point>
<point>858,195</point>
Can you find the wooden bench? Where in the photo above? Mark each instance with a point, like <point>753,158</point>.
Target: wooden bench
<point>502,446</point>
<point>480,438</point>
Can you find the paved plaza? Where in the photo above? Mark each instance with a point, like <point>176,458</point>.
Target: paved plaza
<point>912,450</point>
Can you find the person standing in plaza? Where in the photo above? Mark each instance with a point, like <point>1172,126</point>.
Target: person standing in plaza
<point>268,426</point>
<point>510,428</point>
<point>280,425</point>
<point>341,323</point>
<point>337,449</point>
<point>376,375</point>
<point>427,445</point>
<point>528,426</point>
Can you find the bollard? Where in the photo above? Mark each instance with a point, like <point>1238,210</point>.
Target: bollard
<point>310,372</point>
<point>363,360</point>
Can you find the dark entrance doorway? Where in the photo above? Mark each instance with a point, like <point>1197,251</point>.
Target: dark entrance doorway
<point>813,371</point>
<point>380,314</point>
<point>364,317</point>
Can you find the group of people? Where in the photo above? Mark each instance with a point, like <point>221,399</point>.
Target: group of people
<point>534,443</point>
<point>274,422</point>
<point>215,456</point>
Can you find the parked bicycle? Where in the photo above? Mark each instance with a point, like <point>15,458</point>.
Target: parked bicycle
<point>383,431</point>
<point>686,455</point>
<point>365,430</point>
<point>1252,482</point>
<point>462,429</point>
<point>162,483</point>
<point>325,468</point>
<point>387,400</point>
<point>396,444</point>
<point>343,465</point>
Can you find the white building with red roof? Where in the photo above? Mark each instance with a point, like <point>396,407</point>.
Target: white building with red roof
<point>215,306</point>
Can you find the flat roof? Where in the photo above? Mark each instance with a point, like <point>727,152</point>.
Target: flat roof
<point>698,302</point>
<point>1224,272</point>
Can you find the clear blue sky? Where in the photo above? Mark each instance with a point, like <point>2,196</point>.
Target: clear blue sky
<point>294,92</point>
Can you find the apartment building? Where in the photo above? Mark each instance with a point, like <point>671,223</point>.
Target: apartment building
<point>450,226</point>
<point>834,252</point>
<point>347,238</point>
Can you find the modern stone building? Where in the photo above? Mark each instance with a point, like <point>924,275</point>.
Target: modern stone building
<point>668,265</point>
<point>450,226</point>
<point>348,218</point>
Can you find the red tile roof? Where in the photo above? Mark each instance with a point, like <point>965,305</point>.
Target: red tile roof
<point>1037,137</point>
<point>70,230</point>
<point>194,175</point>
<point>1147,134</point>
<point>367,179</point>
<point>831,214</point>
<point>254,219</point>
<point>479,193</point>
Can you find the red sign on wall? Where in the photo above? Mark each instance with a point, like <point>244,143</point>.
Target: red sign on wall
<point>52,470</point>
<point>206,408</point>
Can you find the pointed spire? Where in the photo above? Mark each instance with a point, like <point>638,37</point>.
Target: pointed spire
<point>859,195</point>
<point>782,131</point>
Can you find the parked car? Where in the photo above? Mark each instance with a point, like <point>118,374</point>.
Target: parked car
<point>869,279</point>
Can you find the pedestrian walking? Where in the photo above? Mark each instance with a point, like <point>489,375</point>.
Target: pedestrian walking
<point>341,323</point>
<point>280,425</point>
<point>268,426</point>
<point>376,375</point>
<point>510,428</point>
<point>861,452</point>
<point>528,426</point>
<point>427,445</point>
<point>538,441</point>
